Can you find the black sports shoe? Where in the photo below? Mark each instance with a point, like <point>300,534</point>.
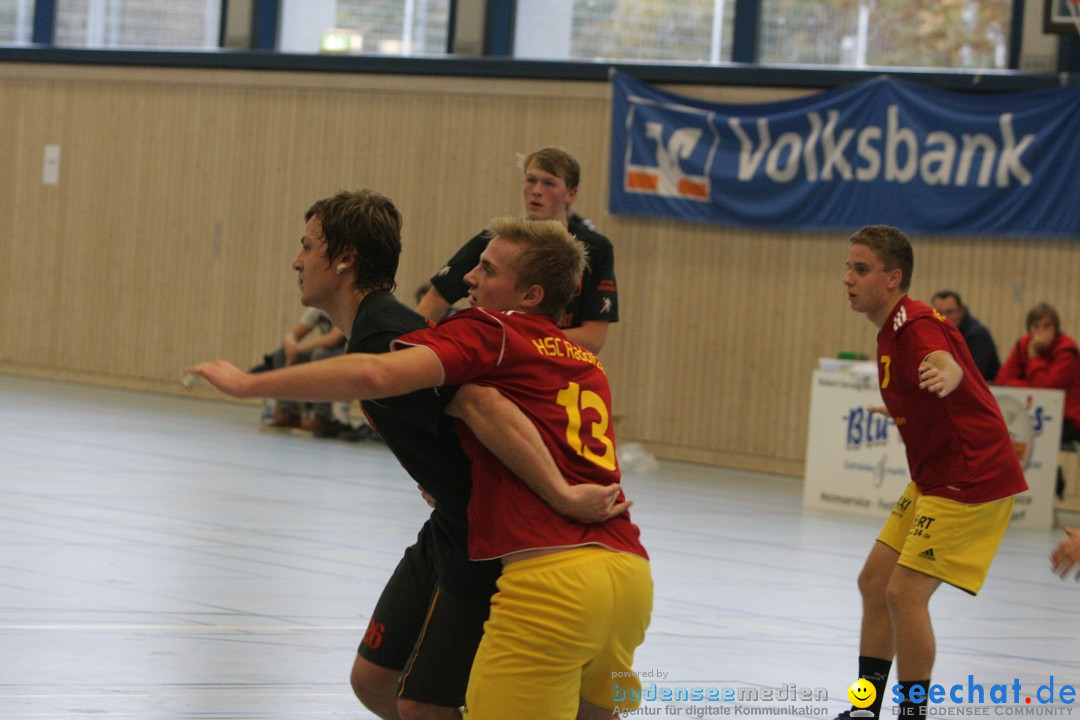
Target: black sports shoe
<point>323,428</point>
<point>355,434</point>
<point>341,431</point>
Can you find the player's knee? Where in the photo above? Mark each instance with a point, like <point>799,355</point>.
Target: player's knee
<point>359,683</point>
<point>412,710</point>
<point>368,683</point>
<point>872,585</point>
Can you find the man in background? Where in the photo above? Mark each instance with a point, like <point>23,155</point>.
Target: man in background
<point>978,339</point>
<point>549,185</point>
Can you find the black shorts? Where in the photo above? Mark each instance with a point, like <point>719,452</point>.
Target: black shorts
<point>426,632</point>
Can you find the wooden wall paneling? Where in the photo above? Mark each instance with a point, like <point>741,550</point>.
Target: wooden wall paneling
<point>35,336</point>
<point>11,243</point>
<point>180,207</point>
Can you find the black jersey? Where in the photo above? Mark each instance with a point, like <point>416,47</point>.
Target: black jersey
<point>424,441</point>
<point>597,296</point>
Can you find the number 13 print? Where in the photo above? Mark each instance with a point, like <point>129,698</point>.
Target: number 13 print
<point>574,399</point>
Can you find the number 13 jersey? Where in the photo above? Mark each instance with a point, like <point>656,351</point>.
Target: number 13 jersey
<point>562,388</point>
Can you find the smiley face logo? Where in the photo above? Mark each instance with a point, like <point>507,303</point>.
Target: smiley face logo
<point>862,693</point>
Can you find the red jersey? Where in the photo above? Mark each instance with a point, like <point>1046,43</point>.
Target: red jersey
<point>958,446</point>
<point>562,388</point>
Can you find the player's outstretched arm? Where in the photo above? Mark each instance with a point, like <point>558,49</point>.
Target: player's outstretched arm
<point>501,426</point>
<point>939,373</point>
<point>1065,560</point>
<point>591,335</point>
<point>355,376</point>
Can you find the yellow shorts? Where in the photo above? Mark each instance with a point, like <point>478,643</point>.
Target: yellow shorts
<point>949,540</point>
<point>562,626</point>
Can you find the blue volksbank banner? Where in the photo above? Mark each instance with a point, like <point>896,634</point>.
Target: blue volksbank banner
<point>882,151</point>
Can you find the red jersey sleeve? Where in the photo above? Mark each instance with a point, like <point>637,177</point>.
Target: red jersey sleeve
<point>921,337</point>
<point>469,344</point>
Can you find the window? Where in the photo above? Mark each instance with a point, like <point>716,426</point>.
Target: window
<point>846,33</point>
<point>392,27</point>
<point>408,27</point>
<point>16,20</point>
<point>698,31</point>
<point>889,33</point>
<point>138,23</point>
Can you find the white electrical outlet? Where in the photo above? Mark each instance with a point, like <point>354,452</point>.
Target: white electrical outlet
<point>50,174</point>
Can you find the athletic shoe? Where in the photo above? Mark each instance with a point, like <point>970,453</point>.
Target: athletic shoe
<point>318,426</point>
<point>355,434</point>
<point>283,419</point>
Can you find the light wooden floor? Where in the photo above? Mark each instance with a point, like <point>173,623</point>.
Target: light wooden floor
<point>162,558</point>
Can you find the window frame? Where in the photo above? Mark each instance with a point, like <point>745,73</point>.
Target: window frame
<point>740,71</point>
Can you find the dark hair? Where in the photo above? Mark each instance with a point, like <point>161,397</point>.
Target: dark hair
<point>1043,310</point>
<point>556,161</point>
<point>364,223</point>
<point>891,246</point>
<point>550,257</point>
<point>946,294</point>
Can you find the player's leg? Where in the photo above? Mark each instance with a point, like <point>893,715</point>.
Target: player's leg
<point>395,626</point>
<point>375,687</point>
<point>409,710</point>
<point>913,583</point>
<point>630,586</point>
<point>876,631</point>
<point>948,542</point>
<point>909,594</point>
<point>544,624</point>
<point>588,711</point>
<point>432,686</point>
<point>876,643</point>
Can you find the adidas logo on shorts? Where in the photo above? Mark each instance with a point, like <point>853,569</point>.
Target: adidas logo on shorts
<point>928,554</point>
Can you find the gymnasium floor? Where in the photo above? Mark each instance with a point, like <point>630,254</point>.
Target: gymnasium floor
<point>163,558</point>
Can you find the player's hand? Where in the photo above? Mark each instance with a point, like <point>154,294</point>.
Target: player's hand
<point>427,496</point>
<point>223,375</point>
<point>590,503</point>
<point>933,379</point>
<point>1065,560</point>
<point>878,409</point>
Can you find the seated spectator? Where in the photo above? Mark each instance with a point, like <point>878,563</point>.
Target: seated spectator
<point>313,338</point>
<point>1047,358</point>
<point>980,343</point>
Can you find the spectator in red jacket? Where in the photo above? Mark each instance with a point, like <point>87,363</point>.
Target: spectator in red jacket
<point>1047,358</point>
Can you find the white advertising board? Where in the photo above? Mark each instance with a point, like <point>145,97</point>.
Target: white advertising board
<point>856,462</point>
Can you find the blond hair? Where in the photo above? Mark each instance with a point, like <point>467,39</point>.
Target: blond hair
<point>551,257</point>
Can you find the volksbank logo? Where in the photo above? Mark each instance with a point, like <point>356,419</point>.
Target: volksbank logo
<point>681,157</point>
<point>670,161</point>
<point>893,153</point>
